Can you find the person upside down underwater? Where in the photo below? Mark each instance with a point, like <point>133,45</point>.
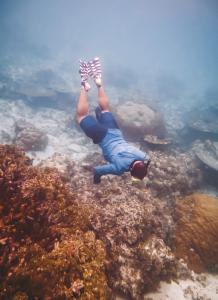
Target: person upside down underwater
<point>104,130</point>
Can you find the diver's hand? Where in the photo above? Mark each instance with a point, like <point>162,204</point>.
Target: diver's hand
<point>96,179</point>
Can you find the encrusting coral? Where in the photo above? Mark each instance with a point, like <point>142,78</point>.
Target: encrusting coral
<point>196,234</point>
<point>46,247</point>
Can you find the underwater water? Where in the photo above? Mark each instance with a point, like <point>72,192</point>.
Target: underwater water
<point>119,239</point>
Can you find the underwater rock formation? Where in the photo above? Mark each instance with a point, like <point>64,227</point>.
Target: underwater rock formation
<point>154,142</point>
<point>28,137</point>
<point>173,174</point>
<point>207,153</point>
<point>137,120</point>
<point>203,122</point>
<point>196,234</point>
<point>46,247</point>
<point>37,84</point>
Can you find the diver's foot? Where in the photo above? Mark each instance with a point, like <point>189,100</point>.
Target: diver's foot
<point>98,81</point>
<point>83,70</point>
<point>86,86</point>
<point>95,71</point>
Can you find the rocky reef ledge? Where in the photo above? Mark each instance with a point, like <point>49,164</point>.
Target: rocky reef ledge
<point>62,237</point>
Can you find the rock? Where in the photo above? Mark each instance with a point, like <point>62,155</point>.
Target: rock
<point>156,143</point>
<point>173,174</point>
<point>39,85</point>
<point>28,137</point>
<point>137,120</point>
<point>203,122</point>
<point>196,234</point>
<point>5,137</point>
<point>207,153</point>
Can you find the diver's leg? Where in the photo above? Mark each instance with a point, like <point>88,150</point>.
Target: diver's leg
<point>95,72</point>
<point>103,100</point>
<point>82,105</point>
<point>102,111</point>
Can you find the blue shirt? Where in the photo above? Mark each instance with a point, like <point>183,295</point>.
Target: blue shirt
<point>119,154</point>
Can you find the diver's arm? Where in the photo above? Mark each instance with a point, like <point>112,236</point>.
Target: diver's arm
<point>104,170</point>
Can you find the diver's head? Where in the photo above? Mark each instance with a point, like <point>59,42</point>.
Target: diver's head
<point>139,169</point>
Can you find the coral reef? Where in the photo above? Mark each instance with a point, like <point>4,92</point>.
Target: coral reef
<point>64,238</point>
<point>196,234</point>
<point>137,119</point>
<point>45,235</point>
<point>134,226</point>
<point>61,237</point>
<point>74,269</point>
<point>173,174</point>
<point>28,137</point>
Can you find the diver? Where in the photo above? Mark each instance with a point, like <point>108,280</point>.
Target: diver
<point>104,130</point>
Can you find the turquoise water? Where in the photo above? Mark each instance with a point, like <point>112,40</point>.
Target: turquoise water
<point>165,41</point>
<point>164,52</point>
<point>161,56</point>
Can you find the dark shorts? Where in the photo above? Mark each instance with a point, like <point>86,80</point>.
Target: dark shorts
<point>97,128</point>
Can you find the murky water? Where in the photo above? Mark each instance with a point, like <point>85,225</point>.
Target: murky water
<point>160,57</point>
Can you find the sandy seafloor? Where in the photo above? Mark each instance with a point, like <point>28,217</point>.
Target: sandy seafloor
<point>188,289</point>
<point>66,138</point>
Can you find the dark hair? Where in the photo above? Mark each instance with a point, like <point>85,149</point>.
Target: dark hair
<point>139,169</point>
